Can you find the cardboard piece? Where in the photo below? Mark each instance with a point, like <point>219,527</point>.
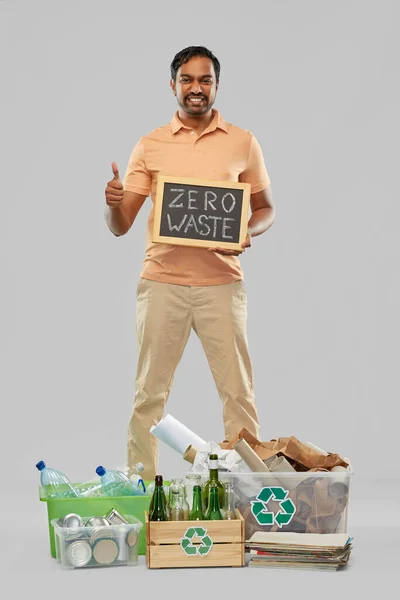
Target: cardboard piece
<point>301,456</point>
<point>279,464</point>
<point>250,457</point>
<point>190,454</point>
<point>339,487</point>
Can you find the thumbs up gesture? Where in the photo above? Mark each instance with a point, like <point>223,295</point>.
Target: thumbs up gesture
<point>114,190</point>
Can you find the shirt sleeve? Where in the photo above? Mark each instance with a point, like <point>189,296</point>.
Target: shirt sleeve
<point>137,178</point>
<point>256,171</point>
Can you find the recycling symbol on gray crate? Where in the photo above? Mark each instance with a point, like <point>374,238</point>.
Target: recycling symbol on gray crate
<point>192,549</point>
<point>263,516</point>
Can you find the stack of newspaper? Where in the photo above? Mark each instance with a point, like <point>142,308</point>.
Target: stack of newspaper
<point>319,551</point>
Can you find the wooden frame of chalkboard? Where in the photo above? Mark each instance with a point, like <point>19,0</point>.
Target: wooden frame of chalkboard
<point>201,212</point>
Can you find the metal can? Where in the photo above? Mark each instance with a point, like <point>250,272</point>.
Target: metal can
<point>105,551</point>
<point>72,520</point>
<point>132,538</point>
<point>97,522</point>
<point>99,533</point>
<point>79,553</point>
<point>115,517</point>
<point>76,535</point>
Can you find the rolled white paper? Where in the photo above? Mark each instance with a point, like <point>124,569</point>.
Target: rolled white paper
<point>176,435</point>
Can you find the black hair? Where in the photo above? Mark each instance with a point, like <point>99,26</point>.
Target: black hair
<point>187,53</point>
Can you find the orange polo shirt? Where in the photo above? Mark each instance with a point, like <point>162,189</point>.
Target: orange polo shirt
<point>222,152</point>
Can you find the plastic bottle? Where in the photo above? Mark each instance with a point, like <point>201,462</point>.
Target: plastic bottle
<point>54,483</point>
<point>136,477</point>
<point>116,483</point>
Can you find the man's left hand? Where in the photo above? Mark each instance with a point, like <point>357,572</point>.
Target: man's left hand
<point>246,244</point>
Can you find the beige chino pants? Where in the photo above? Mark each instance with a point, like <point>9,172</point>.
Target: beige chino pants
<point>166,314</point>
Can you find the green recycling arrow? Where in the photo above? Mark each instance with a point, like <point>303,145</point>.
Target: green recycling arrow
<point>188,547</point>
<point>191,549</point>
<point>265,495</point>
<point>278,493</point>
<point>265,517</point>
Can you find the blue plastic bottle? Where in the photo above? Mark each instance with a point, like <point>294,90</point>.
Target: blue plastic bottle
<point>54,483</point>
<point>116,483</point>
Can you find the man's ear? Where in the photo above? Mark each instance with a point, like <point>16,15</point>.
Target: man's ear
<point>173,86</point>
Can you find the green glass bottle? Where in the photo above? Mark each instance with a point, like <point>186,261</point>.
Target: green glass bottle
<point>213,478</point>
<point>158,509</point>
<point>196,513</point>
<point>153,496</point>
<point>214,511</point>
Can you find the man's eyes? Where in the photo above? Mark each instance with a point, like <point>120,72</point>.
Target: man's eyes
<point>186,80</point>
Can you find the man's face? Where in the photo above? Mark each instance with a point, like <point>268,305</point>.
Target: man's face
<point>195,86</point>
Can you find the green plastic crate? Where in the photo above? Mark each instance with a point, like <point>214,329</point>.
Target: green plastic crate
<point>96,506</point>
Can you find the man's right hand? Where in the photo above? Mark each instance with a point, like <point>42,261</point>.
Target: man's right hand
<point>114,189</point>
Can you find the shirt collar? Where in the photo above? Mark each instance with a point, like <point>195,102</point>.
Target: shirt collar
<point>217,122</point>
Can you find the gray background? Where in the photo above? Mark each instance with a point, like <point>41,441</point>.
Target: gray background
<point>317,83</point>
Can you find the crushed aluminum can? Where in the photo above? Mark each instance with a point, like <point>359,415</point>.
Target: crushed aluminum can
<point>79,553</point>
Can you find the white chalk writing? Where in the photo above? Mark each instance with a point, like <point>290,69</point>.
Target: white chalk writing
<point>173,203</point>
<point>192,199</point>
<point>228,210</point>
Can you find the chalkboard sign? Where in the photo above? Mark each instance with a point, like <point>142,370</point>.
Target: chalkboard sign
<point>201,212</point>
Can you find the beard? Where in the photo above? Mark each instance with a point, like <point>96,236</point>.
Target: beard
<point>195,110</point>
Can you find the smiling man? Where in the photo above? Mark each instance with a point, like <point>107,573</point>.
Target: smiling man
<point>183,288</point>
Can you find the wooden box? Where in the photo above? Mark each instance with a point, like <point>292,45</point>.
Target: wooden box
<point>195,543</point>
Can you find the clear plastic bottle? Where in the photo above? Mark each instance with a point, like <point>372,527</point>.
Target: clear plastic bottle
<point>91,489</point>
<point>137,469</point>
<point>137,478</point>
<point>54,483</point>
<point>151,488</point>
<point>116,483</point>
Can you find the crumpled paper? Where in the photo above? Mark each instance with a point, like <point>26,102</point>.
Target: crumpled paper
<point>228,460</point>
<point>301,456</point>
